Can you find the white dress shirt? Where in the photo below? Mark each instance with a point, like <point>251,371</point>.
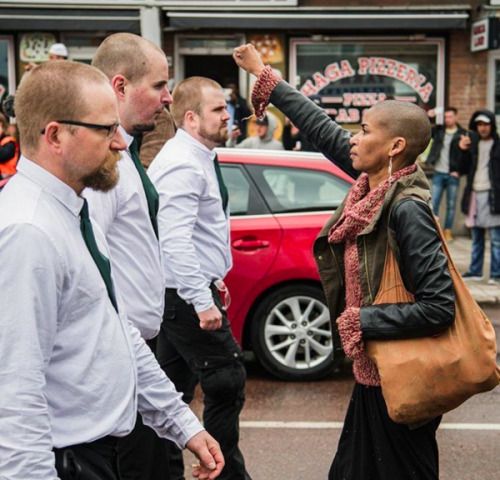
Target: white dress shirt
<point>194,231</point>
<point>122,213</point>
<point>72,369</point>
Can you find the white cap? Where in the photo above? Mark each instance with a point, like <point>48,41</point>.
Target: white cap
<point>59,49</point>
<point>482,118</point>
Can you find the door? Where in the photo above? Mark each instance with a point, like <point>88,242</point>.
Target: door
<point>255,241</point>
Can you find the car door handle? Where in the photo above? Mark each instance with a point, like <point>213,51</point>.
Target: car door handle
<point>250,244</point>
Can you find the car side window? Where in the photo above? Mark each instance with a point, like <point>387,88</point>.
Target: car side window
<point>243,198</point>
<point>298,189</point>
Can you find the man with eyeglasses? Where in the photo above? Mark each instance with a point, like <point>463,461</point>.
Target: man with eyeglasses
<point>74,370</point>
<point>138,72</point>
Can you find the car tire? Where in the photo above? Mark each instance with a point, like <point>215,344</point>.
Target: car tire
<point>291,333</point>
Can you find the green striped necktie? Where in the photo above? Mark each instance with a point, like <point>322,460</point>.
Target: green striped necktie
<point>224,195</point>
<point>100,260</point>
<point>149,189</point>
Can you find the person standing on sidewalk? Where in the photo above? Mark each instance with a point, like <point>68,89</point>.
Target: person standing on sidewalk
<point>195,342</point>
<point>481,198</point>
<point>444,156</point>
<point>138,72</point>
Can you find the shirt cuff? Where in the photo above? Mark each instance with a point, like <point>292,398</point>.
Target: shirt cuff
<point>191,426</point>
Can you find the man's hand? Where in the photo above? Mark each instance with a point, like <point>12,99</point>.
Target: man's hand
<point>455,174</point>
<point>247,58</point>
<point>464,142</point>
<point>210,319</point>
<point>208,452</point>
<point>236,132</point>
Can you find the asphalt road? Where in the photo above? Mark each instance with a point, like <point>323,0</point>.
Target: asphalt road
<point>289,431</point>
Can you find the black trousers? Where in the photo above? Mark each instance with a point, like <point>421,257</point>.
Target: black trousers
<point>89,461</point>
<point>189,354</point>
<point>142,454</point>
<point>373,447</point>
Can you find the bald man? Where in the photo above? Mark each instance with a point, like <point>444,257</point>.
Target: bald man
<point>138,72</point>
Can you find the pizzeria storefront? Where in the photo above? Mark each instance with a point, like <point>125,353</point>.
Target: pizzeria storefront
<point>345,59</point>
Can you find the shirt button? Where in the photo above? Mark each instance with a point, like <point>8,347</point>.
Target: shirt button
<point>320,257</point>
<point>235,355</point>
<point>206,364</point>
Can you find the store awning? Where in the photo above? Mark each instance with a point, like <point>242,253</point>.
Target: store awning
<point>65,19</point>
<point>373,21</point>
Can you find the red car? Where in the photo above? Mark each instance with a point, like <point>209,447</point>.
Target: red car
<point>279,201</point>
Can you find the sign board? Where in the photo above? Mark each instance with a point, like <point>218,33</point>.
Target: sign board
<point>34,47</point>
<point>230,3</point>
<point>346,78</point>
<point>484,35</point>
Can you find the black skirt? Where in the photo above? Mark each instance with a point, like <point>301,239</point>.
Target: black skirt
<point>373,447</point>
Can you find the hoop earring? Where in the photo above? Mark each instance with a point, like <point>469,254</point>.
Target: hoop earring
<point>390,172</point>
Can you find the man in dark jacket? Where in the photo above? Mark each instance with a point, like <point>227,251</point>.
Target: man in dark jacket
<point>481,199</point>
<point>445,157</point>
<point>239,111</point>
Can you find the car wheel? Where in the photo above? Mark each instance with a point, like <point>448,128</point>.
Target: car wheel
<point>291,334</point>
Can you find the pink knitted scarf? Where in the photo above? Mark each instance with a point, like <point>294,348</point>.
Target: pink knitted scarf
<point>360,208</point>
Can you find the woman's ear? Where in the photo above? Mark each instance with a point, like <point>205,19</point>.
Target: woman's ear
<point>398,146</point>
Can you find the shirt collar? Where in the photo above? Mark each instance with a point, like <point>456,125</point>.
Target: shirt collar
<point>128,138</point>
<point>51,185</point>
<point>186,137</point>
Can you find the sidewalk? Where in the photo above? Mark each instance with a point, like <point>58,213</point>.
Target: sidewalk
<point>460,250</point>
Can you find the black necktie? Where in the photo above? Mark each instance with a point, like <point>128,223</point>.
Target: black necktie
<point>224,195</point>
<point>100,260</point>
<point>149,189</point>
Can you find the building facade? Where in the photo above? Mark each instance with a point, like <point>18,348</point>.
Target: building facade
<point>344,55</point>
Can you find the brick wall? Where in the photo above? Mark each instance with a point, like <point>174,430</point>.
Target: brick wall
<point>467,76</point>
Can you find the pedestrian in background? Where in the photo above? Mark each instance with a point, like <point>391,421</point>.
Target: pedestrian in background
<point>138,72</point>
<point>152,142</point>
<point>444,156</point>
<point>481,198</point>
<point>195,342</point>
<point>57,51</point>
<point>391,195</point>
<point>9,150</point>
<point>263,138</point>
<point>74,370</point>
<point>239,112</point>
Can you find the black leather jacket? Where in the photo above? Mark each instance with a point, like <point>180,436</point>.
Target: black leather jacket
<point>406,224</point>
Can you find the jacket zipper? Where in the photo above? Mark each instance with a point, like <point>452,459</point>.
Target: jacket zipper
<point>366,271</point>
<point>337,264</point>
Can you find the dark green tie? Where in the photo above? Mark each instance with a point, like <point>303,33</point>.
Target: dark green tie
<point>224,195</point>
<point>149,189</point>
<point>100,260</point>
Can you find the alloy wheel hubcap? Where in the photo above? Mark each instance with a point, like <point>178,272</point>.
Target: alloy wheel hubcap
<point>297,332</point>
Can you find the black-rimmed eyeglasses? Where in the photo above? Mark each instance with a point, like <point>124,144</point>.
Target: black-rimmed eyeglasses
<point>111,129</point>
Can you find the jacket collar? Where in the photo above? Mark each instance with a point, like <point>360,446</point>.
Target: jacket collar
<point>415,184</point>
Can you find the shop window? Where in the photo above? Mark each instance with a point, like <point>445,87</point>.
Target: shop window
<point>7,78</point>
<point>347,77</point>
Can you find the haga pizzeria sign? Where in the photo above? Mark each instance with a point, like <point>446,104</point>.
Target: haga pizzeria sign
<point>387,67</point>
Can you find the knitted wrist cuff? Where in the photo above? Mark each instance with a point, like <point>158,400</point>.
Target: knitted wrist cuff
<point>262,90</point>
<point>350,332</point>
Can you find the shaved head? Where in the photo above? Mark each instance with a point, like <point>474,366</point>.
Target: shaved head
<point>52,91</point>
<point>125,54</point>
<point>189,95</point>
<point>407,120</point>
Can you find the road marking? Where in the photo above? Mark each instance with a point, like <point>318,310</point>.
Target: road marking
<point>339,425</point>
